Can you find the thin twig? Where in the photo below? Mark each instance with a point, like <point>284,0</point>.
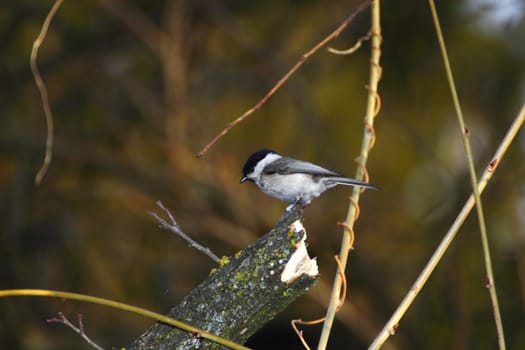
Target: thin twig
<point>490,283</point>
<point>61,318</point>
<point>300,333</point>
<point>353,48</point>
<point>125,307</point>
<point>285,78</point>
<point>350,232</point>
<point>409,298</point>
<point>341,270</point>
<point>175,228</point>
<point>320,320</point>
<point>372,109</point>
<point>43,92</point>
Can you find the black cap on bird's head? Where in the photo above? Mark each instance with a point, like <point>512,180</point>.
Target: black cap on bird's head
<point>252,161</point>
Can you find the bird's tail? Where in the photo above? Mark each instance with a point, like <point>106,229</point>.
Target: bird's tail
<point>352,182</point>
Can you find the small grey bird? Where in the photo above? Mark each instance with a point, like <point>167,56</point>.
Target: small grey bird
<point>291,180</point>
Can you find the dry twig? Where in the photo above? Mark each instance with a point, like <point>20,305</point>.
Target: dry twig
<point>321,320</point>
<point>372,109</point>
<point>287,76</point>
<point>175,228</point>
<point>490,283</point>
<point>61,318</point>
<point>43,92</point>
<point>424,275</point>
<point>353,48</point>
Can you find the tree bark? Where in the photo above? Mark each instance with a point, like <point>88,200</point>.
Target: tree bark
<point>245,293</point>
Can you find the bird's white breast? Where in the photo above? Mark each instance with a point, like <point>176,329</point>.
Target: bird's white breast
<point>291,187</point>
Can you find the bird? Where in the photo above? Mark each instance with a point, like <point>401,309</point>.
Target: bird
<point>291,180</point>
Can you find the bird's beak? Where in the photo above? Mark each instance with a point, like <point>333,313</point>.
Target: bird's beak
<point>244,178</point>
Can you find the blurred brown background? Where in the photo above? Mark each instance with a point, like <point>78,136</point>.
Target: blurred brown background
<point>138,87</point>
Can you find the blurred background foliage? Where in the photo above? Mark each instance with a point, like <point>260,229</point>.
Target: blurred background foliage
<point>138,87</point>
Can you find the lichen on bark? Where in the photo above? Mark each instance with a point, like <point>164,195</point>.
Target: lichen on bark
<point>239,297</point>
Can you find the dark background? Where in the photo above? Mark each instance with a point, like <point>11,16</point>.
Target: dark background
<point>138,87</point>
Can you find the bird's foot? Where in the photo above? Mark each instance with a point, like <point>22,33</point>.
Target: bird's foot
<point>298,201</point>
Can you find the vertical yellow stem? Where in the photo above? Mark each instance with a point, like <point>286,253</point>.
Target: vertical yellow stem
<point>479,208</point>
<point>366,145</point>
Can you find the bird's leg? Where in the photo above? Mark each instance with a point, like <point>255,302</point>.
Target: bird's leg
<point>297,201</point>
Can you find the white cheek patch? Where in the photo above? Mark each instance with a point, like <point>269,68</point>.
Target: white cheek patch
<point>270,157</point>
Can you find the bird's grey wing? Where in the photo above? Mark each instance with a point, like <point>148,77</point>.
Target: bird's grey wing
<point>286,166</point>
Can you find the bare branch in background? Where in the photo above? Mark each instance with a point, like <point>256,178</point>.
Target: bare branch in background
<point>175,228</point>
<point>79,330</point>
<point>43,92</point>
<point>285,78</point>
<point>424,275</point>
